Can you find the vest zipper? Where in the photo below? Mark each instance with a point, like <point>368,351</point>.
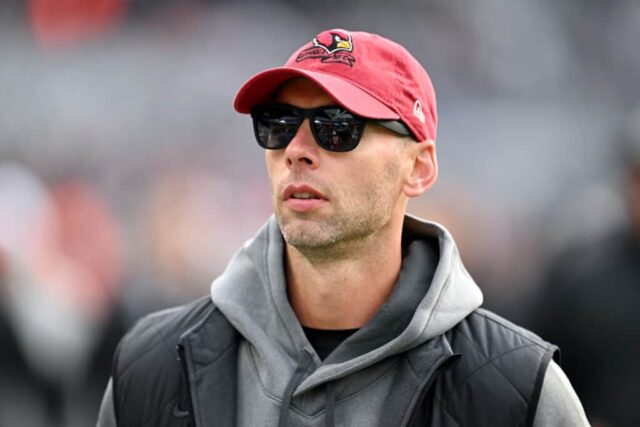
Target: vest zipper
<point>188,411</point>
<point>441,365</point>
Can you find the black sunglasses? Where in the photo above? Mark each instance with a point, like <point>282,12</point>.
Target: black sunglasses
<point>333,127</point>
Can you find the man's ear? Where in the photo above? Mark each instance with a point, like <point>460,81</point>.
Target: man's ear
<point>425,169</point>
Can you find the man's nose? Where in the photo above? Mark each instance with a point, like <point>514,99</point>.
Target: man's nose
<point>303,151</point>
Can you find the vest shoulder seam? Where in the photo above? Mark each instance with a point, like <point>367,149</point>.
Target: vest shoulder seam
<point>505,324</point>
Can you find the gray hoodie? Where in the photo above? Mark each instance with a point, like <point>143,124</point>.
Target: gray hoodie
<point>434,292</point>
<point>282,381</point>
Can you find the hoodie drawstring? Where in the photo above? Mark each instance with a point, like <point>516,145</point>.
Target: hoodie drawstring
<point>294,382</point>
<point>329,406</point>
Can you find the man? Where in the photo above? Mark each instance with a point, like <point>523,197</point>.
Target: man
<point>342,310</point>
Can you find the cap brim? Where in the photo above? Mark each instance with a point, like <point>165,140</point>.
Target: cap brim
<point>262,86</point>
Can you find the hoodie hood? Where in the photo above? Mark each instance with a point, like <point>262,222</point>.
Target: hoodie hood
<point>433,293</point>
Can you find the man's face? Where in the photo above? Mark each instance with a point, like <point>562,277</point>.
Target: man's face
<point>326,200</point>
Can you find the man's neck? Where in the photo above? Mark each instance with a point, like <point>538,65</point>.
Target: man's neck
<point>343,292</point>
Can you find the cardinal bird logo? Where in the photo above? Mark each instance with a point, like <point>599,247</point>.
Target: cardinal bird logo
<point>330,46</point>
<point>333,41</point>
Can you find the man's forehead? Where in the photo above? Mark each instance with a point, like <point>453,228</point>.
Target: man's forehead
<point>301,90</point>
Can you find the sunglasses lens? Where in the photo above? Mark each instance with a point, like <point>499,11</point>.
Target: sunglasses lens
<point>337,129</point>
<point>275,126</point>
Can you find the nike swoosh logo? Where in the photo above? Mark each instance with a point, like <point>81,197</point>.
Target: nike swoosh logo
<point>179,413</point>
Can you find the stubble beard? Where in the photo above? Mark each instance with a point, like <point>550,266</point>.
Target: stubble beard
<point>358,216</point>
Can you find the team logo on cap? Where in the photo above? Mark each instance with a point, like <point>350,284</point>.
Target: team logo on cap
<point>330,46</point>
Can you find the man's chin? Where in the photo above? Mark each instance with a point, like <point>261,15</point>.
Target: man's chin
<point>301,233</point>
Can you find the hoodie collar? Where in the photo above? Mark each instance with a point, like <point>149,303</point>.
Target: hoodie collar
<point>434,292</point>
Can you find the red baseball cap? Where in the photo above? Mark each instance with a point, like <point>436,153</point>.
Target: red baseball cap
<point>365,73</point>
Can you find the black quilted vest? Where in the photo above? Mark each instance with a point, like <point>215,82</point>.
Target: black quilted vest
<point>178,366</point>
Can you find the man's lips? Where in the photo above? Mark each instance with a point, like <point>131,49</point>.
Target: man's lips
<point>302,197</point>
<point>301,192</point>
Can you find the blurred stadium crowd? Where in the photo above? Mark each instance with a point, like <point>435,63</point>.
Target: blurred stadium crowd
<point>127,181</point>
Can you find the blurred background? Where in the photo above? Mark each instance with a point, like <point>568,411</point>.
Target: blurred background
<point>127,180</point>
